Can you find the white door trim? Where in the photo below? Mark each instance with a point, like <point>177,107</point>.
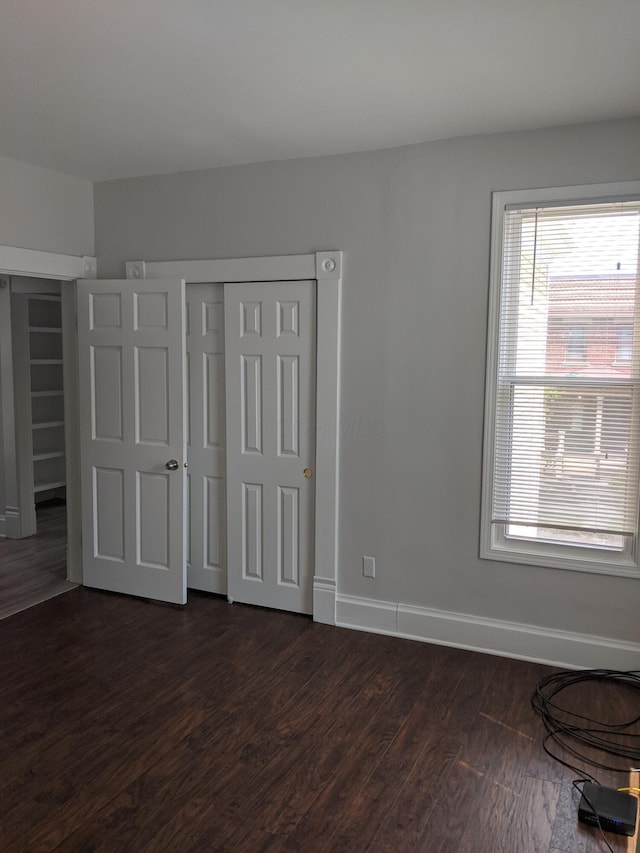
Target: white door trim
<point>326,268</point>
<point>64,268</point>
<point>30,262</point>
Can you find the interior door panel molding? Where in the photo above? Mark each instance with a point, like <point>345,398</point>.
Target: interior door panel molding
<point>327,269</point>
<point>207,553</point>
<point>132,434</point>
<point>265,407</point>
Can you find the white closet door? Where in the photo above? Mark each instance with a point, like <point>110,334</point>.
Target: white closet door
<point>270,392</point>
<point>207,557</point>
<point>133,448</point>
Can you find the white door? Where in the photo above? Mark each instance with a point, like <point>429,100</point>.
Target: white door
<point>270,392</point>
<point>207,564</point>
<point>132,436</point>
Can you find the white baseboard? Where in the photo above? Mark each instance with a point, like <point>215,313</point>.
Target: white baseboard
<point>491,636</point>
<point>10,523</point>
<point>324,600</point>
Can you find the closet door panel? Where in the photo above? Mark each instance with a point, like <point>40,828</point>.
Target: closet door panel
<point>207,566</point>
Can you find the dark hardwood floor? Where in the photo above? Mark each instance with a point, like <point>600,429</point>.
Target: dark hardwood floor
<point>133,726</point>
<point>35,569</point>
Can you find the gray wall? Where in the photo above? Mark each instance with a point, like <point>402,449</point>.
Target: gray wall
<point>44,210</point>
<point>414,224</point>
<point>41,209</point>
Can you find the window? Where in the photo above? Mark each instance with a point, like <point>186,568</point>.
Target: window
<point>624,343</point>
<point>576,343</point>
<point>562,416</point>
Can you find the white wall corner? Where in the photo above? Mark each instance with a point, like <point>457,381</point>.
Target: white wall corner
<point>328,265</point>
<point>324,600</point>
<point>490,636</point>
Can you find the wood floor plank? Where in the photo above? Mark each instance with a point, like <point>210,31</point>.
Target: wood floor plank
<point>380,791</point>
<point>454,711</point>
<point>344,759</point>
<point>151,740</point>
<point>133,726</point>
<point>235,760</point>
<point>34,569</point>
<point>204,760</point>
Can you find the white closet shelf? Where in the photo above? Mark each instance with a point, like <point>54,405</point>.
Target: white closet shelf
<point>39,406</point>
<point>44,487</point>
<point>58,454</point>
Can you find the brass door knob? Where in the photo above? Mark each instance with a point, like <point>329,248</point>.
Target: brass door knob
<point>308,473</point>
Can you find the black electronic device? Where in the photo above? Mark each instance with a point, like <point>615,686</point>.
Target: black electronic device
<point>616,811</point>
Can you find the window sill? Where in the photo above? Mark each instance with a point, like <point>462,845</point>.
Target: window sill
<point>623,565</point>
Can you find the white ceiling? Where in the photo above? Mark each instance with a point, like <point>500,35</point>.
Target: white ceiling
<point>116,88</point>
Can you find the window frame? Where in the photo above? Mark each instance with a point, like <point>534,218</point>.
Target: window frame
<point>494,544</point>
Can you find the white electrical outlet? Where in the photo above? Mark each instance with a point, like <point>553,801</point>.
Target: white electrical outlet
<point>369,567</point>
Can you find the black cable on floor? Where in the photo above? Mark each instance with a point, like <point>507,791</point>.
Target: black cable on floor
<point>574,733</point>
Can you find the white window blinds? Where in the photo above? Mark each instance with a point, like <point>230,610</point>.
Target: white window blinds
<point>567,396</point>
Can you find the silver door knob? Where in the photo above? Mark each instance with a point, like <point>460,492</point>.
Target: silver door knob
<point>172,465</point>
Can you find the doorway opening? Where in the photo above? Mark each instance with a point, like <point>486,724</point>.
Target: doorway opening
<point>35,550</point>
